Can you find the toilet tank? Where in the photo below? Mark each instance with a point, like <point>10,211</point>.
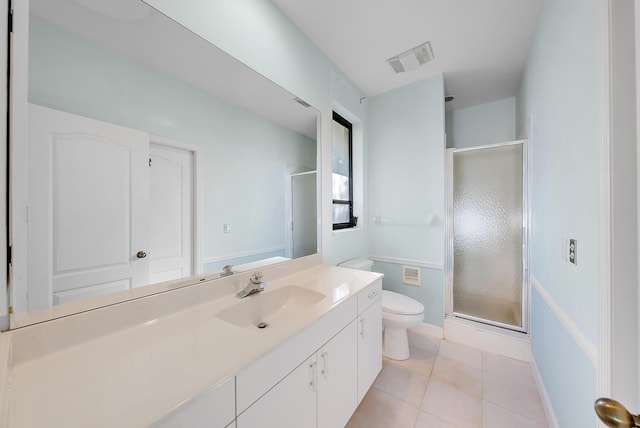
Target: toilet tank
<point>360,264</point>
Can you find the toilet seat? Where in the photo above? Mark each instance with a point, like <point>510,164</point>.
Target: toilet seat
<point>396,303</point>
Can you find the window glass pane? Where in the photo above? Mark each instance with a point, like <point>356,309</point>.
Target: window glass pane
<point>340,213</point>
<point>340,188</point>
<point>341,169</point>
<point>340,149</point>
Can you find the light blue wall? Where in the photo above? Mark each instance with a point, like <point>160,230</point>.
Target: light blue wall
<point>257,33</point>
<point>406,186</point>
<point>559,96</point>
<point>74,75</point>
<point>487,123</point>
<point>430,293</point>
<point>569,376</point>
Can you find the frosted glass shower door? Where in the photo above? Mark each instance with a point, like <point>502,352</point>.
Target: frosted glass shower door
<point>488,234</point>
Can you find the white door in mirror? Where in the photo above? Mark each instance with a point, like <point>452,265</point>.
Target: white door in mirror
<point>170,213</point>
<point>88,207</point>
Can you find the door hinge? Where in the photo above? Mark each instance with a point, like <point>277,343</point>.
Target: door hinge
<point>149,161</point>
<point>10,310</point>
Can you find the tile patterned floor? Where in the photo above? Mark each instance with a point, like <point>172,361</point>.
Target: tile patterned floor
<point>447,385</point>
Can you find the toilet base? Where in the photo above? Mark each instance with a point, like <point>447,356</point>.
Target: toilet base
<point>395,344</point>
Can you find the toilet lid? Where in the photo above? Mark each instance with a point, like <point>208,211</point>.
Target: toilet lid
<point>396,303</point>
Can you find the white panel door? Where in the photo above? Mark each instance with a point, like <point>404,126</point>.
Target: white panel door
<point>171,213</point>
<point>87,207</point>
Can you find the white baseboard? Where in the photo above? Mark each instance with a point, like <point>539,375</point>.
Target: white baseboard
<point>425,329</point>
<point>232,256</point>
<point>510,344</point>
<point>552,422</point>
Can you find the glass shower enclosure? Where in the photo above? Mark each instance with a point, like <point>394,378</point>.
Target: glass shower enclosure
<point>487,235</point>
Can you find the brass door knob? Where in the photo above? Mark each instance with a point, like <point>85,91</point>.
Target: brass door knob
<point>614,414</point>
<point>141,254</point>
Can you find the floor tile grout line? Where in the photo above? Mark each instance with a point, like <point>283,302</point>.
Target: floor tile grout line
<point>513,411</point>
<point>402,399</point>
<point>412,369</point>
<point>424,393</point>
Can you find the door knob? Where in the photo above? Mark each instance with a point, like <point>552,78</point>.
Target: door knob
<point>141,254</point>
<point>614,414</point>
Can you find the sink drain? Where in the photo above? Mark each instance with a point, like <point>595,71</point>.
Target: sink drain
<point>263,325</point>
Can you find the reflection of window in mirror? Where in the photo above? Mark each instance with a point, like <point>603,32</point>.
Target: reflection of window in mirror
<point>342,173</point>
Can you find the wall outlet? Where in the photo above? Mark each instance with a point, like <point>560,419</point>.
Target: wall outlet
<point>226,228</point>
<point>573,251</point>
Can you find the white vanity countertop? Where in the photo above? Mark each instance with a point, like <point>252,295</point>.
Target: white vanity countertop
<point>133,377</point>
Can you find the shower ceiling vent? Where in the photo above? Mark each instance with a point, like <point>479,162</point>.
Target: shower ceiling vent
<point>411,59</point>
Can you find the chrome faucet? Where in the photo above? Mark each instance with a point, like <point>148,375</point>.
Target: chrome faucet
<point>255,286</point>
<point>227,270</point>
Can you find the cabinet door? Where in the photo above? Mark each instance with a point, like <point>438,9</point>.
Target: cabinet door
<point>289,404</point>
<point>369,347</point>
<point>213,409</point>
<point>337,378</point>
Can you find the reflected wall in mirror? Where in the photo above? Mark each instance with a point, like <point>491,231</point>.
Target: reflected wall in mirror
<point>152,156</point>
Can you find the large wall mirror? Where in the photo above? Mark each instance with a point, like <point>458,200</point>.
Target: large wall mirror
<point>151,156</point>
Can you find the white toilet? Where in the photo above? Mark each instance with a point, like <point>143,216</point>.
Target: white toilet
<point>399,312</point>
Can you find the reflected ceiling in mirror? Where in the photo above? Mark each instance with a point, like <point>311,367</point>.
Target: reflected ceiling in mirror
<point>153,156</point>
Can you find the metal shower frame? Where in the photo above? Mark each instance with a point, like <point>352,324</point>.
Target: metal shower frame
<point>526,215</point>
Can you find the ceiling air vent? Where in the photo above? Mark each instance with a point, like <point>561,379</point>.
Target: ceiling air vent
<point>411,275</point>
<point>302,102</point>
<point>411,59</point>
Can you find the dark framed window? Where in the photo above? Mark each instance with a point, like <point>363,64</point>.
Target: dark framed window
<point>342,173</point>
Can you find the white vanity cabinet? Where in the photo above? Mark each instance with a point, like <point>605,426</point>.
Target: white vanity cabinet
<point>215,408</point>
<point>341,354</point>
<point>369,337</point>
<point>320,392</point>
<point>316,378</point>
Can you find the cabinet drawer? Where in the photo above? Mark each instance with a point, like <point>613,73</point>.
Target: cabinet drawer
<point>369,295</point>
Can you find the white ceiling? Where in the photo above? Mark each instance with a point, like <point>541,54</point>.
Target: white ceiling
<point>479,46</point>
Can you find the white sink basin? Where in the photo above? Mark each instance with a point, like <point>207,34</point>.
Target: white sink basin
<point>270,306</point>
